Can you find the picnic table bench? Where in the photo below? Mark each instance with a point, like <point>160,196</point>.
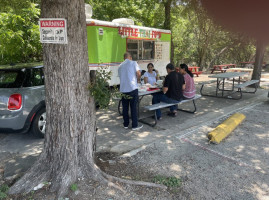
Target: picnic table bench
<point>195,70</point>
<point>222,68</point>
<point>161,105</point>
<point>247,83</point>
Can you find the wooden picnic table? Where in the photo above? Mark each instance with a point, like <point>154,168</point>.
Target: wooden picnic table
<point>195,70</point>
<point>222,68</point>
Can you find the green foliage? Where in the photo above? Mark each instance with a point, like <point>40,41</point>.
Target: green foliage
<point>3,191</point>
<point>100,90</point>
<point>74,187</point>
<point>143,12</point>
<point>19,33</point>
<point>199,41</point>
<point>167,181</point>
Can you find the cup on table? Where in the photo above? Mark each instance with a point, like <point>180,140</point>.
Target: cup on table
<point>159,82</point>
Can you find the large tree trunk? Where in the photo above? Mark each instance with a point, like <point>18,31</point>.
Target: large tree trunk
<point>260,49</point>
<point>70,128</point>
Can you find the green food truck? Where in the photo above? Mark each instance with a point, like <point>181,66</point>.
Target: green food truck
<point>108,41</point>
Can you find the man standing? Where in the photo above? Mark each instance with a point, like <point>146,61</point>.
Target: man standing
<point>172,91</point>
<point>129,73</point>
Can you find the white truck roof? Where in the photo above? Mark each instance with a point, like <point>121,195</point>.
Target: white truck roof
<point>113,24</point>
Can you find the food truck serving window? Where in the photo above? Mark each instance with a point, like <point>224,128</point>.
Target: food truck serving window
<point>141,49</point>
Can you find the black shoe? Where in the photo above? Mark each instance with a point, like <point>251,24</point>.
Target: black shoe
<point>158,118</point>
<point>172,114</point>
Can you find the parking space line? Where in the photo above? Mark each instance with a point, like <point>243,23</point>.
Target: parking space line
<point>217,153</point>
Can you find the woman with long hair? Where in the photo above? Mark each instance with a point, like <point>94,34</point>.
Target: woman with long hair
<point>151,76</point>
<point>189,91</point>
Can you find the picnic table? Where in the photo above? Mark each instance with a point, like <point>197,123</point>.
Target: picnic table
<point>222,68</point>
<point>154,107</point>
<point>220,87</point>
<point>141,94</point>
<point>247,70</point>
<point>195,70</point>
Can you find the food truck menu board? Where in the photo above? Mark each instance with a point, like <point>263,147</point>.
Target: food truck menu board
<point>162,51</point>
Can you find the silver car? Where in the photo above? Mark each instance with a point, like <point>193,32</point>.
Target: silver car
<point>22,99</point>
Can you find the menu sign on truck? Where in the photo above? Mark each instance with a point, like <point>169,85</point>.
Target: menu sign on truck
<point>53,30</point>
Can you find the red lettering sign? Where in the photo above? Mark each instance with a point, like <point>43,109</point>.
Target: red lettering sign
<point>52,23</point>
<point>139,33</point>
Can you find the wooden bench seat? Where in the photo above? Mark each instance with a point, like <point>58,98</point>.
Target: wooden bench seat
<point>197,73</point>
<point>161,105</point>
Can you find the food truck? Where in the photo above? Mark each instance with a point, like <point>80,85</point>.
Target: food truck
<point>108,41</point>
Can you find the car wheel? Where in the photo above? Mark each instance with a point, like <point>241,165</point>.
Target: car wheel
<point>39,124</point>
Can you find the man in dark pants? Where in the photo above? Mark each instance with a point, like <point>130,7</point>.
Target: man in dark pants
<point>129,73</point>
<point>172,91</point>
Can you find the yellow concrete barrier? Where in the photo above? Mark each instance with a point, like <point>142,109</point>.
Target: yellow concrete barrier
<point>224,129</point>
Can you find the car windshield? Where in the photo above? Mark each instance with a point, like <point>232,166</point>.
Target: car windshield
<point>11,79</point>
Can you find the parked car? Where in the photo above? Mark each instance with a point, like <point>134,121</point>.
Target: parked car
<point>22,99</point>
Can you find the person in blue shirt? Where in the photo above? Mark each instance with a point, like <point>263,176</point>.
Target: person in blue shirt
<point>129,73</point>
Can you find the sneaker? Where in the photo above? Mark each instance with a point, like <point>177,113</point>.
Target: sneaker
<point>125,127</point>
<point>137,128</point>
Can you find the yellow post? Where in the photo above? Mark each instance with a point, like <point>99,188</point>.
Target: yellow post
<point>224,129</point>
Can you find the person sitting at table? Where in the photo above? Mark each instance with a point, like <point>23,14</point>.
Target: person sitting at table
<point>151,76</point>
<point>189,91</point>
<point>177,69</point>
<point>172,91</point>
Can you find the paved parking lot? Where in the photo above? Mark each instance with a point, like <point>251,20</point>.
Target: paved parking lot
<point>179,146</point>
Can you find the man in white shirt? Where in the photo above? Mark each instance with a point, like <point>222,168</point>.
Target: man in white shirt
<point>129,73</point>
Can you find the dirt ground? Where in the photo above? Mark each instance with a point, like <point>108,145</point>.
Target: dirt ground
<point>237,168</point>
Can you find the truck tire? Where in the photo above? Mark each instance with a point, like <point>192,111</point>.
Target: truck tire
<point>39,123</point>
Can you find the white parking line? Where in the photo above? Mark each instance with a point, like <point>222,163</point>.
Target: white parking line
<point>259,110</point>
<point>217,153</point>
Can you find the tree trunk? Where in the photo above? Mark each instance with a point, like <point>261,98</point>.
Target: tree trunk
<point>202,54</point>
<point>70,110</point>
<point>260,49</point>
<point>70,128</point>
<point>167,25</point>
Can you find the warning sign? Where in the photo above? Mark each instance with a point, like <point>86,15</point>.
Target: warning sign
<point>53,30</point>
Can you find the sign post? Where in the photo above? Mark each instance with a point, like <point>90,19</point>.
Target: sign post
<point>53,30</point>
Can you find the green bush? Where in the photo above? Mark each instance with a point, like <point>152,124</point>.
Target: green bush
<point>3,191</point>
<point>100,89</point>
<point>167,181</point>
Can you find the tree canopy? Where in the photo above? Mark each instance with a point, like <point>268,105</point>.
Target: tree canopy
<point>19,32</point>
<point>197,39</point>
